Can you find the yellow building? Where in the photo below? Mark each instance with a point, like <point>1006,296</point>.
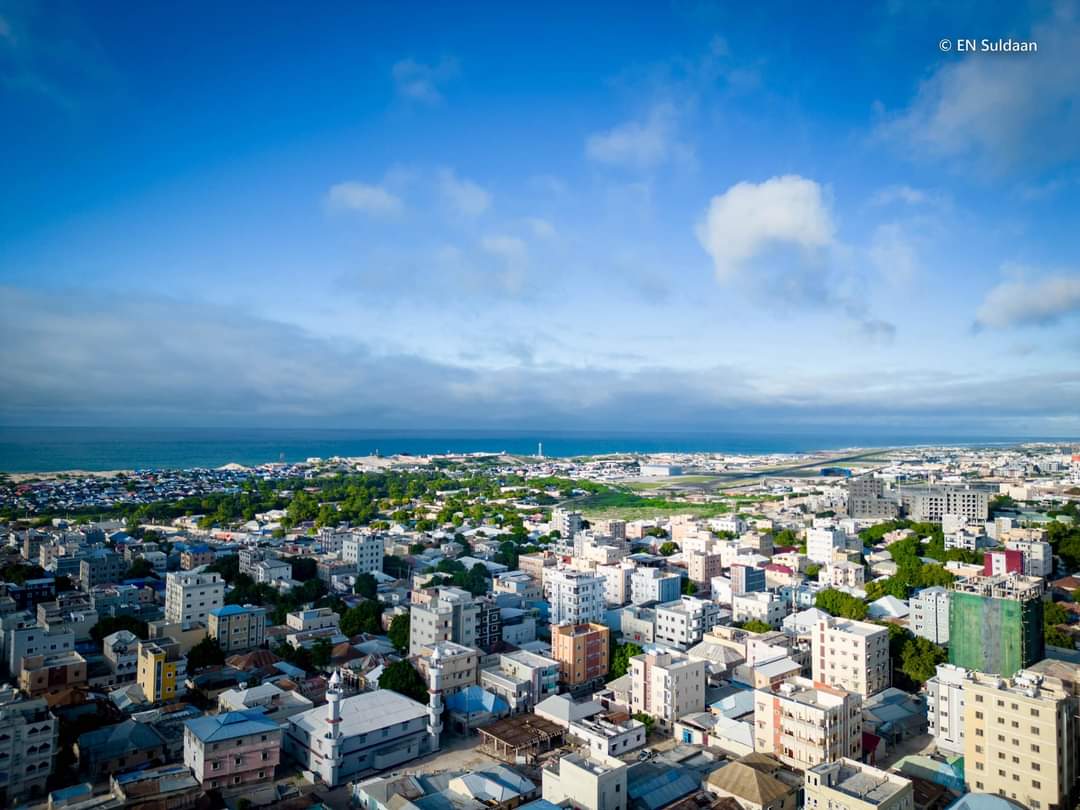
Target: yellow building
<point>1021,735</point>
<point>162,669</point>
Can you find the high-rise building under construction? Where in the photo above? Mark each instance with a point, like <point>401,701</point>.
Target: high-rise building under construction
<point>996,624</point>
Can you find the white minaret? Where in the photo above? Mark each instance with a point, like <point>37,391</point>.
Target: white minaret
<point>540,450</point>
<point>435,707</point>
<point>333,729</point>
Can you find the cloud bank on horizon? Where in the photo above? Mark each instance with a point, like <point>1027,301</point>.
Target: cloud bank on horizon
<point>694,219</point>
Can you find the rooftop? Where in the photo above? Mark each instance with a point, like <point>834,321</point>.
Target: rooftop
<point>228,726</point>
<point>866,783</point>
<point>364,713</point>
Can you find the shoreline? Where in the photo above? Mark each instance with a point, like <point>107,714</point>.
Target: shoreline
<point>21,476</point>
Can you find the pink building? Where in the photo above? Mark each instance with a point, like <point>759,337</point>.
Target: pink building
<point>234,748</point>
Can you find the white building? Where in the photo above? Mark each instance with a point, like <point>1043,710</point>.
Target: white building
<point>352,737</point>
<point>761,606</point>
<point>851,655</point>
<point>29,743</point>
<point>822,542</point>
<point>666,686</point>
<point>850,785</point>
<point>189,596</point>
<point>929,616</point>
<point>267,572</point>
<point>654,585</point>
<point>365,550</point>
<point>577,597</point>
<point>586,783</point>
<point>945,707</point>
<point>683,623</point>
<point>616,582</point>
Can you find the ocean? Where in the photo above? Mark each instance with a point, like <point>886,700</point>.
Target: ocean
<point>38,449</point>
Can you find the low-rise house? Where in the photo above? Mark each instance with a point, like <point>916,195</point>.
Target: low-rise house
<point>119,747</point>
<point>277,704</point>
<point>752,785</point>
<point>850,785</point>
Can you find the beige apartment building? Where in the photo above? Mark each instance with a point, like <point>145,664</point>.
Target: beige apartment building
<point>702,566</point>
<point>851,655</point>
<point>1022,736</point>
<point>666,686</point>
<point>805,724</point>
<point>460,665</point>
<point>582,652</point>
<point>850,785</point>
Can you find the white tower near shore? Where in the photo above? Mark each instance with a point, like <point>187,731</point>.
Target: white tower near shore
<point>539,449</point>
<point>435,705</point>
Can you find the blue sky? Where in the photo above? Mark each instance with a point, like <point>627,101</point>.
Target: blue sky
<point>685,216</point>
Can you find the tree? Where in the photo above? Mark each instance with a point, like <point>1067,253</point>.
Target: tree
<point>402,678</point>
<point>395,566</point>
<point>110,624</point>
<point>756,626</point>
<point>655,531</point>
<point>812,571</point>
<point>647,719</point>
<point>1056,637</point>
<point>228,567</point>
<point>839,603</point>
<point>688,587</point>
<point>320,653</point>
<point>139,569</point>
<point>620,659</point>
<point>399,632</point>
<point>205,654</point>
<point>304,568</point>
<point>364,618</point>
<point>919,658</point>
<point>366,586</point>
<point>668,548</point>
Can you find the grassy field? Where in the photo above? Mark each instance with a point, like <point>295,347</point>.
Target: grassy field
<point>629,506</point>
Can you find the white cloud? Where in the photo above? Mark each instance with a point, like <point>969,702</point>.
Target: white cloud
<point>364,197</point>
<point>464,197</point>
<point>901,194</point>
<point>422,82</point>
<point>1036,302</point>
<point>892,251</point>
<point>513,256</point>
<point>1000,112</point>
<point>748,218</point>
<point>541,228</point>
<point>640,144</point>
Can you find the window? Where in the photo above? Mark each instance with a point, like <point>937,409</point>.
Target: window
<point>1036,784</point>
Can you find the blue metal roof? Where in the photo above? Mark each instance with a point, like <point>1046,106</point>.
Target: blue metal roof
<point>650,786</point>
<point>234,610</point>
<point>230,725</point>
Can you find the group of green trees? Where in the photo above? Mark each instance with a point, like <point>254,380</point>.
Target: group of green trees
<point>451,572</point>
<point>839,603</point>
<point>1054,616</point>
<point>620,659</point>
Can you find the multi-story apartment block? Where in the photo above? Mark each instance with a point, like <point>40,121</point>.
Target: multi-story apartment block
<point>666,686</point>
<point>1038,556</point>
<point>1022,736</point>
<point>231,749</point>
<point>24,636</point>
<point>929,616</point>
<point>851,655</point>
<point>866,499</point>
<point>746,579</point>
<point>237,627</point>
<point>304,621</point>
<point>460,665</point>
<point>850,785</point>
<point>842,575</point>
<point>805,724</point>
<point>945,707</point>
<point>822,542</point>
<point>269,571</point>
<point>121,650</point>
<point>365,550</point>
<point>331,540</point>
<point>522,679</point>
<point>702,566</point>
<point>685,621</point>
<point>29,743</point>
<point>582,652</point>
<point>577,597</point>
<point>249,557</point>
<point>48,674</point>
<point>760,606</point>
<point>195,557</point>
<point>488,624</point>
<point>566,523</point>
<point>517,583</point>
<point>931,504</point>
<point>1001,562</point>
<point>653,585</point>
<point>189,597</point>
<point>161,670</point>
<point>451,614</point>
<point>616,582</point>
<point>101,567</point>
<point>534,565</point>
<point>72,610</point>
<point>996,624</point>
